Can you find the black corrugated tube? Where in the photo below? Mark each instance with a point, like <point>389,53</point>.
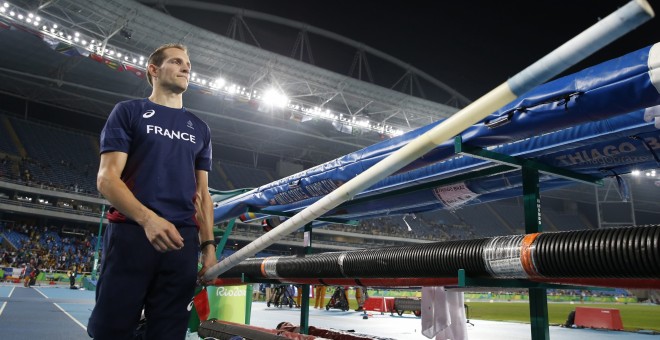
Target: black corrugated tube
<point>622,252</point>
<point>631,252</point>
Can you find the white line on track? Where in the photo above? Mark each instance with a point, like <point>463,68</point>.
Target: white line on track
<point>71,317</point>
<point>40,292</point>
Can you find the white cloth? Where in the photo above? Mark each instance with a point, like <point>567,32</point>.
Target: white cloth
<point>443,314</point>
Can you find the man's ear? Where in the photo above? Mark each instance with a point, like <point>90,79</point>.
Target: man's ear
<point>153,71</point>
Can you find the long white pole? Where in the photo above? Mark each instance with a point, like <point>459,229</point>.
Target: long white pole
<point>615,25</point>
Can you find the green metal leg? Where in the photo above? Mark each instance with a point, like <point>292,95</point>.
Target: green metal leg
<point>304,302</point>
<point>538,313</point>
<point>304,310</point>
<point>225,236</point>
<point>538,298</point>
<point>98,244</point>
<point>248,303</point>
<point>531,200</point>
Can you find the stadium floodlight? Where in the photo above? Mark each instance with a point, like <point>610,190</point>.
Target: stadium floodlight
<point>219,83</point>
<point>71,36</point>
<point>275,98</point>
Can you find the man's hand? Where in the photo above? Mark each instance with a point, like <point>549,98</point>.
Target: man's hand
<point>208,260</point>
<point>208,257</point>
<point>162,234</point>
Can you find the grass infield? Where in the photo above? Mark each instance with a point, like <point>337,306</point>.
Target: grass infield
<point>634,316</point>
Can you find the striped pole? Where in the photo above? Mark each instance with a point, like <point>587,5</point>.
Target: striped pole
<point>612,27</point>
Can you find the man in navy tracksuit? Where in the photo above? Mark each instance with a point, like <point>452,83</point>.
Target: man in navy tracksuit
<point>155,158</point>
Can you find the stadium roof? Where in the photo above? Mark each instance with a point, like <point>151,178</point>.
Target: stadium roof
<point>38,64</point>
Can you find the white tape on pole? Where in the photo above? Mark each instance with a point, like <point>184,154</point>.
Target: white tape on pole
<point>597,36</point>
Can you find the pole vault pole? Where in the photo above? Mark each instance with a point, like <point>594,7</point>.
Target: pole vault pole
<point>615,25</point>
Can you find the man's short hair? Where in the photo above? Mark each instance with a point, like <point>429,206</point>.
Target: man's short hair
<point>157,57</point>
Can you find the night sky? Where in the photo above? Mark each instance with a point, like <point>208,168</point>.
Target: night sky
<point>470,46</point>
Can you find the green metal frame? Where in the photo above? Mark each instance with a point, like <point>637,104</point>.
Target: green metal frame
<point>304,305</point>
<point>520,162</point>
<point>538,299</point>
<point>225,236</point>
<point>531,169</point>
<point>538,296</point>
<point>290,214</point>
<point>304,308</point>
<point>218,253</point>
<point>97,248</point>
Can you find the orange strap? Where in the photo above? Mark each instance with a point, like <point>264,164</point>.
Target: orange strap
<point>526,254</point>
<point>263,268</point>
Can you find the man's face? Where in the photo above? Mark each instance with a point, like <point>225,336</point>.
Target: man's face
<point>173,75</point>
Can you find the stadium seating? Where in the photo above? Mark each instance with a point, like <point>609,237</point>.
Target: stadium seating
<point>245,177</point>
<point>6,144</point>
<point>564,221</point>
<point>70,163</point>
<point>483,220</point>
